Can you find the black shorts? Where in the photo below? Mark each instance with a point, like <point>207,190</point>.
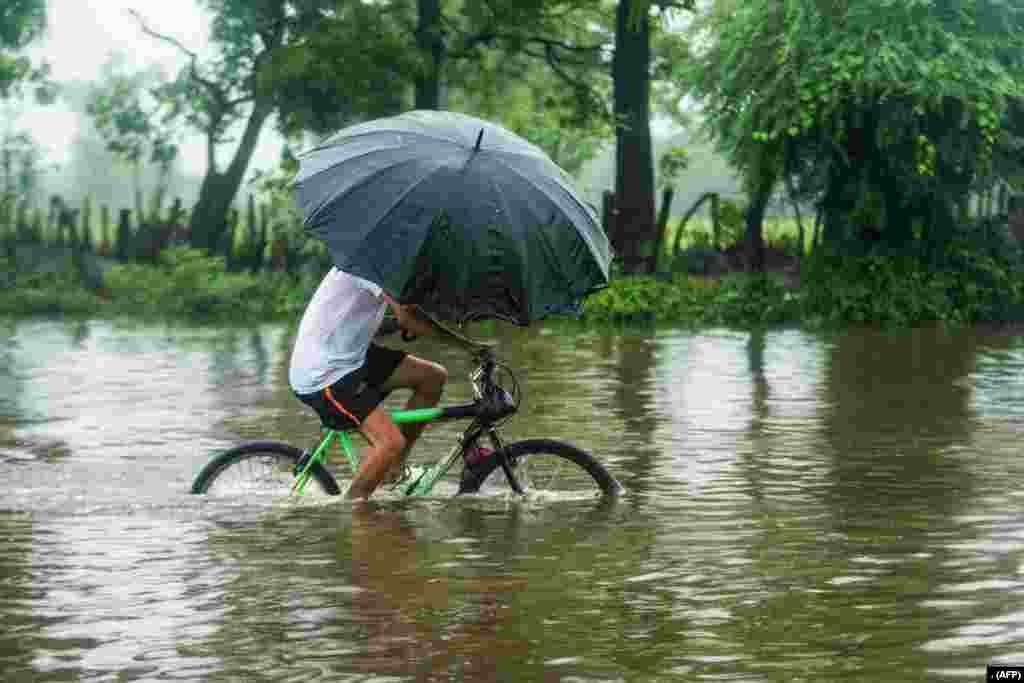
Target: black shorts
<point>346,403</point>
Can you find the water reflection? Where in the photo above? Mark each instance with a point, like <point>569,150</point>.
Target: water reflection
<point>16,595</point>
<point>633,357</point>
<point>835,506</point>
<point>898,417</point>
<point>896,420</point>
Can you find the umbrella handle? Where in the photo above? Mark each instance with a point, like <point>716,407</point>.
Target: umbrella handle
<point>459,339</point>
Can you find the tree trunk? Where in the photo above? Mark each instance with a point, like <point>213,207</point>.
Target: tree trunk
<point>634,158</point>
<point>609,220</point>
<point>123,241</point>
<point>209,216</point>
<point>755,220</point>
<point>716,221</point>
<point>430,43</point>
<point>800,234</point>
<point>819,214</point>
<point>252,234</point>
<point>662,225</point>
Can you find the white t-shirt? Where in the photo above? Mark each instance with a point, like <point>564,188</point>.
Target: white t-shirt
<point>336,329</point>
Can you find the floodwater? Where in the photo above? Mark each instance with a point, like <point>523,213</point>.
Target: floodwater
<point>800,507</point>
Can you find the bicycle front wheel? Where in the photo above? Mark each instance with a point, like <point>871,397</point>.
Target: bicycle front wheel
<point>265,468</point>
<point>545,466</point>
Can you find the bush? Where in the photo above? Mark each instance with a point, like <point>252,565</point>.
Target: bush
<point>873,289</point>
<point>645,299</point>
<point>189,282</point>
<point>43,292</point>
<point>738,300</point>
<point>970,280</point>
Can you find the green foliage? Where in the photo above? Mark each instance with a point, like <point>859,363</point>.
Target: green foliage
<point>60,291</point>
<point>875,289</point>
<point>21,22</point>
<point>336,63</point>
<point>542,74</point>
<point>738,300</point>
<point>672,164</point>
<point>968,282</point>
<point>919,97</point>
<point>20,165</point>
<point>732,221</point>
<point>126,116</point>
<point>977,277</point>
<point>190,283</point>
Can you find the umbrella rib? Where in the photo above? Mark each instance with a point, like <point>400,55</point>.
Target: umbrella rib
<point>585,236</point>
<point>370,178</point>
<point>394,205</point>
<point>379,131</point>
<point>506,210</point>
<point>535,152</point>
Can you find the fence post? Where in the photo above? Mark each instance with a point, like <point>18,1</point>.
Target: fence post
<point>37,225</point>
<point>22,226</point>
<point>122,243</point>
<point>252,233</point>
<point>106,249</point>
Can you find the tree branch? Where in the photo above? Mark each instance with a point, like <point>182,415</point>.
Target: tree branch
<point>674,4</point>
<point>212,87</point>
<point>159,36</point>
<point>551,43</point>
<point>580,85</point>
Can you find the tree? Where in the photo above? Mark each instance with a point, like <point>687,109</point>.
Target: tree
<point>453,39</point>
<point>21,22</point>
<point>20,165</point>
<point>632,72</point>
<point>128,119</point>
<point>903,105</point>
<point>307,61</point>
<point>528,97</point>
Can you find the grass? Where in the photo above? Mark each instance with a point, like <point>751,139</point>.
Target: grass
<point>776,231</point>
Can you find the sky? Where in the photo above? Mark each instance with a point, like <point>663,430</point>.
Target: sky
<point>81,35</point>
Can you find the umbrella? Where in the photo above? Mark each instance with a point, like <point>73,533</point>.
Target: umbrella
<point>455,214</point>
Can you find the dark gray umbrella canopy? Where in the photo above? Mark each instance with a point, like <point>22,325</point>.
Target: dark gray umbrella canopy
<point>453,213</point>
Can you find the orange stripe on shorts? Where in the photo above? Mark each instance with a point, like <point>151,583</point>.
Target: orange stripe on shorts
<point>337,404</point>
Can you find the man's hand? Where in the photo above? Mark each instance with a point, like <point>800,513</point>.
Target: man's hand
<point>418,322</point>
<point>411,320</point>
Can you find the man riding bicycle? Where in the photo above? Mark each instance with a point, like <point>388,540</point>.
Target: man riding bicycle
<point>338,370</point>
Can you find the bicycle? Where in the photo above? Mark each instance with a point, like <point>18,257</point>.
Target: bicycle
<point>529,465</point>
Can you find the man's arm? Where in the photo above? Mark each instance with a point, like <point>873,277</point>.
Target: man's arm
<point>415,321</point>
<point>411,320</point>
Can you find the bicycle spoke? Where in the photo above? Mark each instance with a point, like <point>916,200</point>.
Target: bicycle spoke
<point>543,466</point>
<point>261,474</point>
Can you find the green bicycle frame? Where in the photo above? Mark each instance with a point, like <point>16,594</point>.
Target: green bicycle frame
<point>423,484</point>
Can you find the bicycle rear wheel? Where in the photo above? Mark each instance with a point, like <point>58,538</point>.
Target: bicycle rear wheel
<point>265,468</point>
<point>545,466</point>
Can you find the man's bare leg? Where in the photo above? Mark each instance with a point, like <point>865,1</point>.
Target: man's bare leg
<point>385,451</point>
<point>427,380</point>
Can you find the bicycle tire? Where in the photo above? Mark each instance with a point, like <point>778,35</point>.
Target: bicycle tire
<point>584,472</point>
<point>278,463</point>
